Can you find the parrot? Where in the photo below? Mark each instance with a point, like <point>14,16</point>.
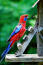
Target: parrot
<point>17,33</point>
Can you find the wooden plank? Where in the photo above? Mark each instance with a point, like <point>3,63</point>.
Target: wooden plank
<point>40,19</point>
<point>24,58</point>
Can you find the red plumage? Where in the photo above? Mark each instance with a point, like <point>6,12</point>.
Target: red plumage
<point>18,35</point>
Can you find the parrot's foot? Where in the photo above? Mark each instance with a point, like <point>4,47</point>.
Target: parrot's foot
<point>30,29</point>
<point>25,37</point>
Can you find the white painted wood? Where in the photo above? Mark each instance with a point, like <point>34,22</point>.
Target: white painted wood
<point>35,3</point>
<point>24,58</point>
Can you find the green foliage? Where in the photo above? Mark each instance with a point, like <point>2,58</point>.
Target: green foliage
<point>32,50</point>
<point>10,12</point>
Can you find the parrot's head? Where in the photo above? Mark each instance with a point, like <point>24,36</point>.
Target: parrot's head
<point>23,18</point>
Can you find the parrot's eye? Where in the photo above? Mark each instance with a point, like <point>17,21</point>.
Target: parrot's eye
<point>25,16</point>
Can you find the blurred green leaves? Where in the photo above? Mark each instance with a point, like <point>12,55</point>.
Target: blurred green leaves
<point>10,12</point>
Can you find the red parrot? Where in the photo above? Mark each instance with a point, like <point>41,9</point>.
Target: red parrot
<point>20,31</point>
<point>16,34</point>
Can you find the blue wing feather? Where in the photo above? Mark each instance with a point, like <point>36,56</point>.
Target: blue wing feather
<point>17,29</point>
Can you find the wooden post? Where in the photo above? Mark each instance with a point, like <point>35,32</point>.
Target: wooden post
<point>40,20</point>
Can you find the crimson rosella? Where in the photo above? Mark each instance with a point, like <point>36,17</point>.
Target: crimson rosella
<point>16,34</point>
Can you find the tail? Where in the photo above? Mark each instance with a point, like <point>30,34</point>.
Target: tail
<point>5,52</point>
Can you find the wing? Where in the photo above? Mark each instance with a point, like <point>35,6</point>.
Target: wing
<point>17,29</point>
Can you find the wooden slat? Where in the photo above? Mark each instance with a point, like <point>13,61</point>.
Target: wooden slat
<point>30,37</point>
<point>26,43</point>
<point>24,58</point>
<point>35,3</point>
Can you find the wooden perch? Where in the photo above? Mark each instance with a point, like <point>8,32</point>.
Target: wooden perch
<point>24,58</point>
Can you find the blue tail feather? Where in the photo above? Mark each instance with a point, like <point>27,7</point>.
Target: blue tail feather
<point>4,54</point>
<point>5,51</point>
